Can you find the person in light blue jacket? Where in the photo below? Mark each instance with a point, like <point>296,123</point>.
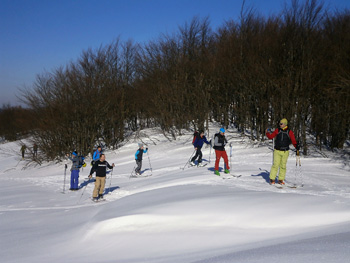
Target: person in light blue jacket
<point>96,156</point>
<point>138,157</point>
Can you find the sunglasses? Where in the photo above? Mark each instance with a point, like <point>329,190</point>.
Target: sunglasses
<point>281,123</point>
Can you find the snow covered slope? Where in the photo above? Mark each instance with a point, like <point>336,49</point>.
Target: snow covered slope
<point>176,215</point>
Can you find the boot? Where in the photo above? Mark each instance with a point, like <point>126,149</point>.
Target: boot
<point>281,182</point>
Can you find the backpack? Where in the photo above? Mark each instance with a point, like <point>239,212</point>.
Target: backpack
<point>195,135</point>
<point>81,162</point>
<point>286,131</point>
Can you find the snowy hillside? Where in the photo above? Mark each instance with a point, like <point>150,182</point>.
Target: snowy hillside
<point>176,215</point>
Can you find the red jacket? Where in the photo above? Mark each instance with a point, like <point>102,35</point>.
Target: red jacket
<point>291,135</point>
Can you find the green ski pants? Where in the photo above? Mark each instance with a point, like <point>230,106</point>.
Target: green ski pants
<point>279,162</point>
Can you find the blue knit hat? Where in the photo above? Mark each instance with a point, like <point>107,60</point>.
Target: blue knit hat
<point>222,130</point>
<point>74,153</point>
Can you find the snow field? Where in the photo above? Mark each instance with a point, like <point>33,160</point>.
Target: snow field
<point>176,215</point>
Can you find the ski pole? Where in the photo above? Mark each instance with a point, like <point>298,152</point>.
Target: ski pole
<point>149,161</point>
<point>83,190</point>
<point>189,160</point>
<point>64,180</point>
<point>298,168</point>
<point>230,155</point>
<point>210,153</point>
<point>132,171</point>
<point>211,140</point>
<point>273,150</point>
<point>110,183</point>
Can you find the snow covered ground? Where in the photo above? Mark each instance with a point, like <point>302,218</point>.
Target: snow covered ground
<point>176,215</point>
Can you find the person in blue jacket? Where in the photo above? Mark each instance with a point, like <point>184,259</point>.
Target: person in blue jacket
<point>96,156</point>
<point>138,158</point>
<point>198,144</point>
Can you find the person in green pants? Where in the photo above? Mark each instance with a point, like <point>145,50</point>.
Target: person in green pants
<point>284,137</point>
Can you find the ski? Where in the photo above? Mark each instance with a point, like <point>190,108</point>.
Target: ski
<point>230,176</point>
<point>98,200</point>
<point>198,166</point>
<point>281,186</point>
<point>140,176</point>
<point>293,186</point>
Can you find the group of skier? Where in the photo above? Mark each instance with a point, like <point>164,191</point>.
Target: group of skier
<point>99,166</point>
<point>24,148</point>
<point>219,147</point>
<point>283,138</point>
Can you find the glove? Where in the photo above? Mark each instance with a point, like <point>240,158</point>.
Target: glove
<point>147,149</point>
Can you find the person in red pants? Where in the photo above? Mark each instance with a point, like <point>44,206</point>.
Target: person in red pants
<point>219,146</point>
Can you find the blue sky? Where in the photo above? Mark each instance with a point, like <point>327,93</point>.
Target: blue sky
<point>41,35</point>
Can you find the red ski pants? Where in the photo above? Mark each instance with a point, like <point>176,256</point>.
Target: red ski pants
<point>220,154</point>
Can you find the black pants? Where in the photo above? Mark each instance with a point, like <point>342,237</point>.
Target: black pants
<point>139,165</point>
<point>198,154</point>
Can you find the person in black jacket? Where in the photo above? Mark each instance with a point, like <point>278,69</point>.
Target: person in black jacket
<point>219,146</point>
<point>100,167</point>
